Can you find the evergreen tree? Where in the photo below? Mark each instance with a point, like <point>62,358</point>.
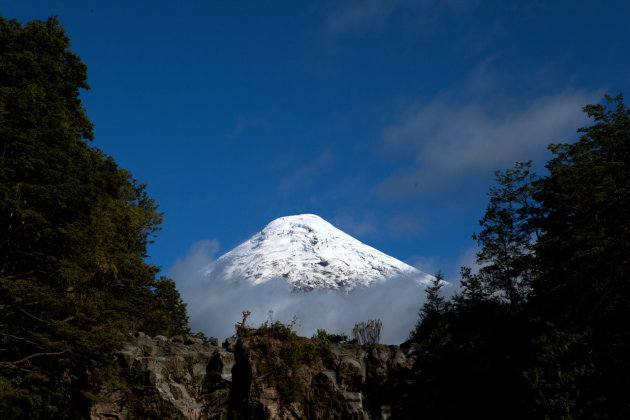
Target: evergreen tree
<point>473,290</point>
<point>436,303</point>
<point>583,289</point>
<point>586,222</point>
<point>172,305</point>
<point>507,237</point>
<point>433,310</point>
<point>555,249</point>
<point>74,230</point>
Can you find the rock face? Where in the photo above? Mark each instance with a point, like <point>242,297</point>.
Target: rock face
<point>260,377</point>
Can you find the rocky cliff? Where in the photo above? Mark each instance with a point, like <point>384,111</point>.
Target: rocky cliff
<point>268,375</point>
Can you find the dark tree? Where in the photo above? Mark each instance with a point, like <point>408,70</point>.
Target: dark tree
<point>433,312</point>
<point>473,289</point>
<point>546,315</point>
<point>507,237</point>
<point>435,305</point>
<point>583,289</point>
<point>171,304</point>
<point>74,229</point>
<point>586,219</point>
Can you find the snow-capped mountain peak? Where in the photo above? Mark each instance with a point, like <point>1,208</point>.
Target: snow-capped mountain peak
<point>309,253</point>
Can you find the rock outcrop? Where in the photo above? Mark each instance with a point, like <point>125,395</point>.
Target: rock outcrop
<point>259,376</point>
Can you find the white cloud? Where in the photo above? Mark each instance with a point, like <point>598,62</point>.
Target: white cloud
<point>215,306</point>
<point>469,259</point>
<point>450,267</point>
<point>200,254</point>
<point>451,140</point>
<point>429,265</point>
<point>218,306</point>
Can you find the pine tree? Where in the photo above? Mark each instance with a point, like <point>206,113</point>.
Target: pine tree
<point>546,315</point>
<point>74,230</point>
<point>172,305</point>
<point>586,222</point>
<point>435,304</point>
<point>583,290</point>
<point>507,236</point>
<point>473,290</point>
<point>433,309</point>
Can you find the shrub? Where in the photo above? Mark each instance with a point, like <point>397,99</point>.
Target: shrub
<point>323,335</point>
<point>368,332</point>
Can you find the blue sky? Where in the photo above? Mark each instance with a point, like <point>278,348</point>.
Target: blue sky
<point>385,117</point>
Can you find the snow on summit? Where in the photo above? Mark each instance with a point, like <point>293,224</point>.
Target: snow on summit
<point>309,253</point>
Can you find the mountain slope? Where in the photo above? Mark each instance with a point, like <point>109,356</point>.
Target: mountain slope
<point>309,253</point>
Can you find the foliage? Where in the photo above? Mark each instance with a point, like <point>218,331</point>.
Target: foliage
<point>560,371</point>
<point>269,328</point>
<point>507,236</point>
<point>433,309</point>
<point>540,331</point>
<point>280,353</point>
<point>173,308</point>
<point>74,231</point>
<point>435,303</point>
<point>473,290</point>
<point>586,222</point>
<point>368,332</point>
<point>584,285</point>
<point>323,335</point>
<point>275,329</point>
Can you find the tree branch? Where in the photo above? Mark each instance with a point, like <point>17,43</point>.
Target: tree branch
<point>22,339</point>
<point>17,362</point>
<point>34,317</point>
